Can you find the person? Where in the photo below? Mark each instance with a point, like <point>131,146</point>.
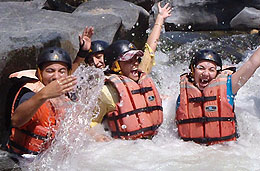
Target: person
<point>35,110</point>
<point>90,52</point>
<point>130,104</point>
<point>205,106</point>
<point>96,54</point>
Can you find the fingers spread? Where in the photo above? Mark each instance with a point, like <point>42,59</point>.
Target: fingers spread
<point>68,83</point>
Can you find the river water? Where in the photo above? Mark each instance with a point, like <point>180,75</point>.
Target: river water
<point>73,149</point>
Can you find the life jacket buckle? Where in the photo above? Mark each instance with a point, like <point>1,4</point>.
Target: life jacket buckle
<point>203,119</point>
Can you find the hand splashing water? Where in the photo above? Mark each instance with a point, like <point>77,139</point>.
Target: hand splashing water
<point>72,135</point>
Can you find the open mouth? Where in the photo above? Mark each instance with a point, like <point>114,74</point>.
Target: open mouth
<point>134,72</point>
<point>99,65</point>
<point>204,82</point>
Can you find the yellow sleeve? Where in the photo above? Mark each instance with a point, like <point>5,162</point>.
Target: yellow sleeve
<point>107,103</point>
<point>92,124</point>
<point>148,60</point>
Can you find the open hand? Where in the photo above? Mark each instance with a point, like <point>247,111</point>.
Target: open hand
<point>59,87</point>
<point>164,11</point>
<point>85,38</point>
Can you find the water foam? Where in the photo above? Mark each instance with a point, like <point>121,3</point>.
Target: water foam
<point>73,150</point>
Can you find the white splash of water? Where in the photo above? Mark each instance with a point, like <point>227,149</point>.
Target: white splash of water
<point>72,134</point>
<point>166,151</point>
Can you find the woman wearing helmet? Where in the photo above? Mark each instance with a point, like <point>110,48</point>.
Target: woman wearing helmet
<point>205,106</point>
<point>34,111</point>
<point>129,103</point>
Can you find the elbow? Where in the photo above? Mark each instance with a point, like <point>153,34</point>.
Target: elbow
<point>15,123</point>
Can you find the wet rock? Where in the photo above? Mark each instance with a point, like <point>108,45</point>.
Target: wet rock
<point>134,18</point>
<point>146,4</point>
<point>254,4</point>
<point>6,163</point>
<point>247,18</point>
<point>199,15</point>
<point>195,18</point>
<point>59,5</point>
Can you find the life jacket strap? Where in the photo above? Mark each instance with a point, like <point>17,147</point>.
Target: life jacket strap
<point>40,137</point>
<point>205,119</point>
<point>143,130</point>
<point>145,109</point>
<point>208,140</point>
<point>202,99</point>
<point>19,147</point>
<point>142,90</point>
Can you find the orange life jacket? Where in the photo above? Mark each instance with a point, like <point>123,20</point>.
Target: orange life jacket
<point>206,116</point>
<point>139,113</point>
<point>35,135</point>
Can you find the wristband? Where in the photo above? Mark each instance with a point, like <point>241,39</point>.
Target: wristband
<point>83,53</point>
<point>158,24</point>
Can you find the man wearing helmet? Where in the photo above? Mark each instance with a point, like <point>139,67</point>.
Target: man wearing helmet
<point>90,52</point>
<point>96,54</point>
<point>129,103</point>
<point>34,110</point>
<point>205,106</point>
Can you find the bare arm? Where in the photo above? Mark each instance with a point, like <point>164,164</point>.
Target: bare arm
<point>153,38</point>
<point>25,111</point>
<point>85,39</point>
<point>240,77</point>
<point>152,41</point>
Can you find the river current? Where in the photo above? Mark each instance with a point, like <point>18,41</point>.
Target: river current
<point>74,149</point>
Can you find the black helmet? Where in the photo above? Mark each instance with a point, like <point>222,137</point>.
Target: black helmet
<point>208,55</point>
<point>97,46</point>
<point>116,49</point>
<point>54,54</point>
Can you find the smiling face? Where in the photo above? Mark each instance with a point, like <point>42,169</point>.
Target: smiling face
<point>130,68</point>
<point>53,71</point>
<point>205,71</point>
<point>97,60</point>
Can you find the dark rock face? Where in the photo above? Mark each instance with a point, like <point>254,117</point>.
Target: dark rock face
<point>134,18</point>
<point>248,17</point>
<point>6,163</point>
<point>146,4</point>
<point>198,15</point>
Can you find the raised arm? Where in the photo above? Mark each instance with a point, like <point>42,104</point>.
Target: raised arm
<point>152,41</point>
<point>153,38</point>
<point>25,111</point>
<point>240,77</point>
<point>85,44</point>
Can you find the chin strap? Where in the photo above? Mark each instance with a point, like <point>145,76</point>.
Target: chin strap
<point>39,74</point>
<point>116,67</point>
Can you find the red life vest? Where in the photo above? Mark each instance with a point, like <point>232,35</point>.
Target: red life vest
<point>139,113</point>
<point>206,116</point>
<point>35,135</point>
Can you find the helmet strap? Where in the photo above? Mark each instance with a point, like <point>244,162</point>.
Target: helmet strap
<point>116,67</point>
<point>192,71</point>
<point>39,74</point>
<point>69,72</point>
